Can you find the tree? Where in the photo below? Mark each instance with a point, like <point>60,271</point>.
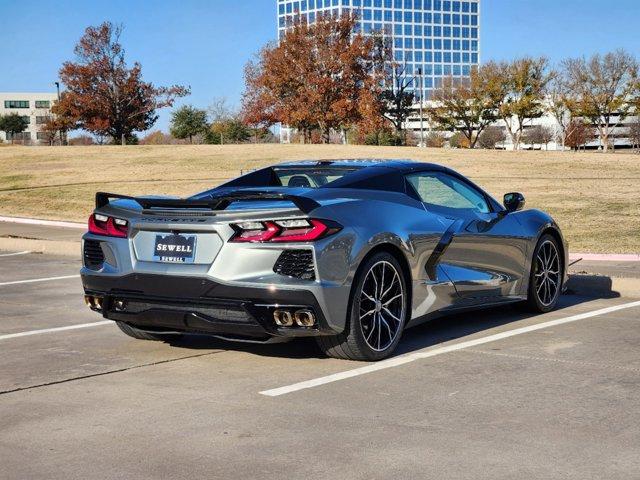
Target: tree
<point>604,85</point>
<point>187,122</point>
<point>219,110</point>
<point>314,77</point>
<point>634,134</point>
<point>13,124</point>
<point>467,105</point>
<point>157,137</point>
<point>398,100</point>
<point>103,94</point>
<point>491,136</point>
<point>561,103</point>
<point>228,131</point>
<point>58,125</point>
<point>547,135</point>
<point>538,135</point>
<point>578,134</point>
<point>524,83</point>
<point>435,140</point>
<point>459,140</point>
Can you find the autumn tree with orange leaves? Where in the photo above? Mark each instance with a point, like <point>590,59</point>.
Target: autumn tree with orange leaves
<point>103,95</point>
<point>320,76</point>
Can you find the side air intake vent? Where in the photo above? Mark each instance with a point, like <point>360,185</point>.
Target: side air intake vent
<point>93,255</point>
<point>296,263</point>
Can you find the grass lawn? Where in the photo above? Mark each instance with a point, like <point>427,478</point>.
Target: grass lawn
<point>594,197</point>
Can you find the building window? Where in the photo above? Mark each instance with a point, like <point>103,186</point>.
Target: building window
<point>43,104</point>
<point>16,104</point>
<point>42,120</point>
<point>19,136</point>
<point>26,118</point>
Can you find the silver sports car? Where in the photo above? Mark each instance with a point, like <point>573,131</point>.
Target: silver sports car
<point>350,252</point>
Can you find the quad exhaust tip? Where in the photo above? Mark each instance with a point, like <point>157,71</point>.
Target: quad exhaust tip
<point>305,318</point>
<point>94,303</point>
<point>283,318</point>
<point>302,318</point>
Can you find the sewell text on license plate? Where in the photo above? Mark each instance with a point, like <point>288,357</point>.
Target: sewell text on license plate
<point>175,248</point>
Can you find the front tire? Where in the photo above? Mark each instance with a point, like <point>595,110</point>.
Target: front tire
<point>138,334</point>
<point>377,313</point>
<point>545,280</point>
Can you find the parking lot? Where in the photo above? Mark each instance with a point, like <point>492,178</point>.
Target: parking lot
<point>496,394</point>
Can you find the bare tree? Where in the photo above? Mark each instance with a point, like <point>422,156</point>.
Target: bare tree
<point>561,103</point>
<point>399,98</point>
<point>219,110</point>
<point>491,136</point>
<point>547,135</point>
<point>603,85</point>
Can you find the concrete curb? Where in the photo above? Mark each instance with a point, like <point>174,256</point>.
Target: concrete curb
<point>605,257</point>
<point>44,223</point>
<point>67,249</point>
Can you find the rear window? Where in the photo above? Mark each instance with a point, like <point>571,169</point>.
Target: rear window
<point>310,177</point>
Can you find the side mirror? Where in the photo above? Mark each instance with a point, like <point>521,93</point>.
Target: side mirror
<point>514,201</point>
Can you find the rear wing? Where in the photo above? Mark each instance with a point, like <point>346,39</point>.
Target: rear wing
<point>304,204</point>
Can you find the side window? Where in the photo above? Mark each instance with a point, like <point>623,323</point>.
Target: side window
<point>442,190</point>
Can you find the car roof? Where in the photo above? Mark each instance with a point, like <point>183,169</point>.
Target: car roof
<point>398,164</point>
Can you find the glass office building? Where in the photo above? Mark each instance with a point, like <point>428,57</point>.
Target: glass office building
<point>438,37</point>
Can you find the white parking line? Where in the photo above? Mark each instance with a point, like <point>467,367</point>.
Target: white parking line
<point>53,330</point>
<point>35,280</point>
<point>15,254</point>
<point>412,357</point>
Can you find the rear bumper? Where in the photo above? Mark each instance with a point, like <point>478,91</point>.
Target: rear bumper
<point>200,305</point>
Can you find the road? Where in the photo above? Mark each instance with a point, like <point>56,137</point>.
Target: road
<point>554,396</point>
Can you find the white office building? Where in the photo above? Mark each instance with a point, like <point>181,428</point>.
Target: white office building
<point>34,107</point>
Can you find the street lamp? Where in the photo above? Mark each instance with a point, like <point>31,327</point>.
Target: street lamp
<point>63,133</point>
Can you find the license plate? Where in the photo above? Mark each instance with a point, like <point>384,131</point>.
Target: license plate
<point>174,248</point>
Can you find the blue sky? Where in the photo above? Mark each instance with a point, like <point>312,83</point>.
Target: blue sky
<point>205,44</point>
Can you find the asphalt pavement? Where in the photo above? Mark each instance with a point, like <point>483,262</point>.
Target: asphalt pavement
<point>496,394</point>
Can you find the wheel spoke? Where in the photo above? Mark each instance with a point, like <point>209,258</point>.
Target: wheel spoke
<point>373,327</point>
<point>392,299</point>
<point>366,314</point>
<point>386,324</point>
<point>391,314</point>
<point>393,284</point>
<point>368,297</point>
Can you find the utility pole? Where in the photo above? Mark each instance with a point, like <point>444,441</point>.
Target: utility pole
<point>421,86</point>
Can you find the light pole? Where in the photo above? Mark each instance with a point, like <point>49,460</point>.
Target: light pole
<point>63,133</point>
<point>421,86</point>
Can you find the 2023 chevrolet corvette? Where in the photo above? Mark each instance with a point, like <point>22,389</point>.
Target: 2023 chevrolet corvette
<point>351,252</point>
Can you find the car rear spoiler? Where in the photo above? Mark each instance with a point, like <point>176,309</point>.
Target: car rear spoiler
<point>304,204</point>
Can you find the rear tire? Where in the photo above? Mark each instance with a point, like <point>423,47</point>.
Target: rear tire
<point>377,313</point>
<point>138,334</point>
<point>545,278</point>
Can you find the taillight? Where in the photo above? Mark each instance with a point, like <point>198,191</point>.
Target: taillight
<point>299,230</point>
<point>108,226</point>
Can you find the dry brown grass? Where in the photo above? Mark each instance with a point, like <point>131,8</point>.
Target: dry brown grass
<point>594,197</point>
